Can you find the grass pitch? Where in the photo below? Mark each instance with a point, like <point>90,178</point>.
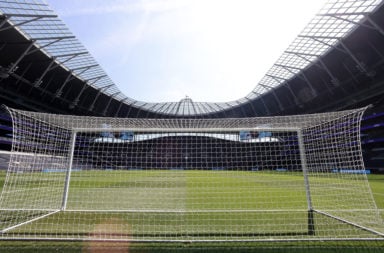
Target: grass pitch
<point>216,205</point>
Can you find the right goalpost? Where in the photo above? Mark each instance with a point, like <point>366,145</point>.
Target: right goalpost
<point>288,178</point>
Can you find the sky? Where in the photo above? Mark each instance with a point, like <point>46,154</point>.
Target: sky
<point>165,50</point>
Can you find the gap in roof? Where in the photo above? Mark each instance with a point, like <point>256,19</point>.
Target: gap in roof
<point>163,50</point>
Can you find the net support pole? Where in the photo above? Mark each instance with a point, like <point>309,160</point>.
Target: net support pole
<point>304,167</point>
<point>69,170</point>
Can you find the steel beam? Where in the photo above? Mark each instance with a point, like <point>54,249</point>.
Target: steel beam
<point>23,15</point>
<point>109,102</point>
<point>265,105</point>
<point>376,26</point>
<point>69,78</point>
<point>287,86</point>
<point>354,58</point>
<point>301,54</point>
<point>13,66</point>
<point>38,81</point>
<point>266,87</point>
<point>334,80</point>
<point>120,105</point>
<point>276,78</point>
<point>339,16</point>
<point>309,84</point>
<point>13,25</point>
<point>288,67</point>
<point>55,38</point>
<point>5,20</point>
<point>318,39</point>
<point>39,47</point>
<point>97,96</point>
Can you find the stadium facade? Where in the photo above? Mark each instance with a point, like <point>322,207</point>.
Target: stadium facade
<point>335,63</point>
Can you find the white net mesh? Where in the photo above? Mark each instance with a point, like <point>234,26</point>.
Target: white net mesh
<point>248,179</point>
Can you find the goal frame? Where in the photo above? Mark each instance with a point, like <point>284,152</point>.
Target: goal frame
<point>311,210</point>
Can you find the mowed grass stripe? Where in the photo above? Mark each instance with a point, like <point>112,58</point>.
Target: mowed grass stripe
<point>186,190</point>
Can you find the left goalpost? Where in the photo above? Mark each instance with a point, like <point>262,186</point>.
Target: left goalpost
<point>292,178</point>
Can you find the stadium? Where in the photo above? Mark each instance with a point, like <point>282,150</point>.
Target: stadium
<point>296,165</point>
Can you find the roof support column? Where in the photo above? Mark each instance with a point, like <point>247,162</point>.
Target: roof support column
<point>376,26</point>
<point>268,112</point>
<point>4,20</point>
<point>38,81</point>
<point>85,86</point>
<point>255,114</point>
<point>285,83</point>
<point>20,78</point>
<point>269,88</point>
<point>129,111</point>
<point>304,77</point>
<point>301,75</point>
<point>289,69</point>
<point>109,102</point>
<point>120,105</point>
<point>59,91</point>
<point>360,66</point>
<point>344,49</point>
<point>334,80</point>
<point>92,107</point>
<point>14,66</point>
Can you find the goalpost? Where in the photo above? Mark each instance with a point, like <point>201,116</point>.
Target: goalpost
<point>291,178</point>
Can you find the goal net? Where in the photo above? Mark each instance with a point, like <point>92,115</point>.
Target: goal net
<point>245,179</point>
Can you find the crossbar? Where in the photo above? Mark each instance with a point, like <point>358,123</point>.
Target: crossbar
<point>185,130</point>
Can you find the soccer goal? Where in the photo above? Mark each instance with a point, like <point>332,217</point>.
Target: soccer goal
<point>246,179</point>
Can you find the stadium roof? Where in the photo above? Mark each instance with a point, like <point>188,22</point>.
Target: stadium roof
<point>48,34</point>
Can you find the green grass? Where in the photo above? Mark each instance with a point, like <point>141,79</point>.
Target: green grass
<point>377,186</point>
<point>193,191</point>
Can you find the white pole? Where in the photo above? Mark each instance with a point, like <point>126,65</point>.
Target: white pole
<point>68,176</point>
<point>304,166</point>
